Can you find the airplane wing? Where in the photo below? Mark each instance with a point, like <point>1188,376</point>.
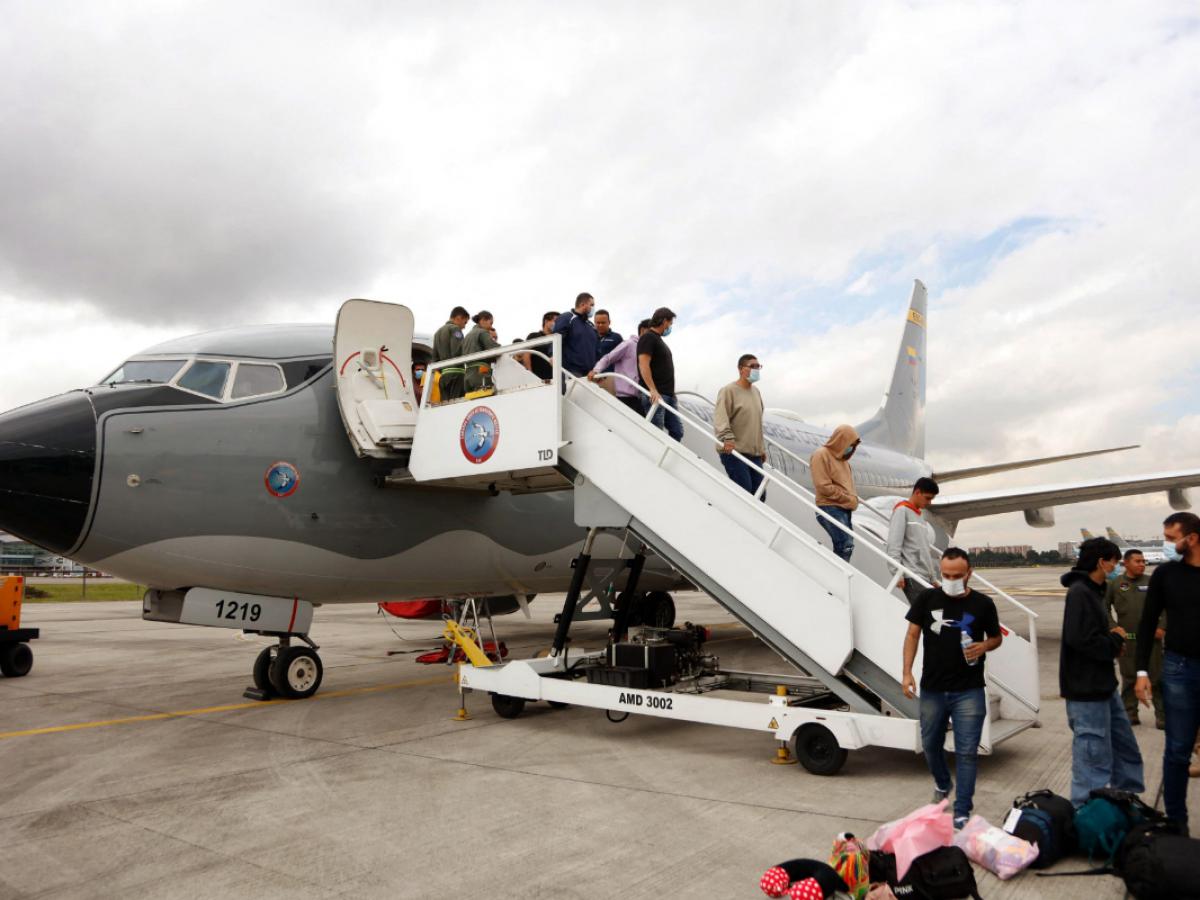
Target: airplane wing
<point>1037,502</point>
<point>957,474</point>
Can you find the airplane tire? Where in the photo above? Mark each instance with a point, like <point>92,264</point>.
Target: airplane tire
<point>818,751</point>
<point>658,610</point>
<point>296,673</point>
<point>262,672</point>
<point>15,660</point>
<point>507,707</point>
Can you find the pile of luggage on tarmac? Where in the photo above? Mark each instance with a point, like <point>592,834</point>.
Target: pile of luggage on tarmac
<point>921,856</point>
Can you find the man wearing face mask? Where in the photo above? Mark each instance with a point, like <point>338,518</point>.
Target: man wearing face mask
<point>579,336</point>
<point>1175,588</point>
<point>1104,752</point>
<point>956,626</point>
<point>738,423</point>
<point>1125,599</point>
<point>833,485</point>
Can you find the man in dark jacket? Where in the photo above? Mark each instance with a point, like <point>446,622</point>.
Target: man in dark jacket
<point>1104,752</point>
<point>579,337</point>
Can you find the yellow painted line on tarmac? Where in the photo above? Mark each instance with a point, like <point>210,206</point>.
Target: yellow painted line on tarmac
<point>230,707</point>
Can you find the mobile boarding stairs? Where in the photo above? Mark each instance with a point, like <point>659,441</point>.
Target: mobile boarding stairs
<point>840,627</point>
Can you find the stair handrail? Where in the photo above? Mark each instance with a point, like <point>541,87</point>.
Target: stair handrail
<point>872,542</point>
<point>780,480</point>
<point>878,515</point>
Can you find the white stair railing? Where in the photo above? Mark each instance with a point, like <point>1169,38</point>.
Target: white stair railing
<point>1006,667</point>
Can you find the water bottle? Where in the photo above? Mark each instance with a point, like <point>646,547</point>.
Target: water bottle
<point>966,641</point>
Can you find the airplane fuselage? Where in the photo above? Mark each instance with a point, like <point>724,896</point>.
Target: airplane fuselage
<point>267,496</point>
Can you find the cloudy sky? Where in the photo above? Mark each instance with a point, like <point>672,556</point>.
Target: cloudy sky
<point>776,173</point>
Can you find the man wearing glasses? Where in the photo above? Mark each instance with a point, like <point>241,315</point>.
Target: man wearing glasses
<point>738,422</point>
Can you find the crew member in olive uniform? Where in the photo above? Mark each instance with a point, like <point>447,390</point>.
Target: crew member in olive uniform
<point>447,344</point>
<point>1124,599</point>
<point>479,373</point>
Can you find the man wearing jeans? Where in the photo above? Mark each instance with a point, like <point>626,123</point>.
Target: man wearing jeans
<point>738,423</point>
<point>1104,752</point>
<point>656,365</point>
<point>833,485</point>
<point>1175,587</point>
<point>956,626</point>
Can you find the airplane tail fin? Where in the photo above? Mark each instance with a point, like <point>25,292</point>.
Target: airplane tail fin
<point>900,422</point>
<point>1087,535</point>
<point>1114,537</point>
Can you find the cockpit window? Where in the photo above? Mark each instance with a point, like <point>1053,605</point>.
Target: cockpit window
<point>206,378</point>
<point>145,371</point>
<point>254,380</point>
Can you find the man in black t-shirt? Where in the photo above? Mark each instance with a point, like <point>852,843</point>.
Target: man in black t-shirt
<point>1175,587</point>
<point>656,365</point>
<point>542,368</point>
<point>957,626</point>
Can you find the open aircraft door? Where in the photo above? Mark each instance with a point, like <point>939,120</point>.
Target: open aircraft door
<point>372,349</point>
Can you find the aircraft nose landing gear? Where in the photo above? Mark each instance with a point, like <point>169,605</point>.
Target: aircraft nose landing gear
<point>287,672</point>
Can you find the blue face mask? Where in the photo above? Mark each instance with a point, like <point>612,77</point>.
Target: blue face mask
<point>1116,573</point>
<point>848,452</point>
<point>755,374</point>
<point>667,330</point>
<point>1171,552</point>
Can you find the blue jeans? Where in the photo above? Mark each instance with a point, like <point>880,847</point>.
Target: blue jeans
<point>743,475</point>
<point>660,419</point>
<point>967,710</point>
<point>1104,752</point>
<point>843,544</point>
<point>1181,703</point>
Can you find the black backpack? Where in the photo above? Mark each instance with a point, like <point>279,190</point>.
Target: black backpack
<point>942,874</point>
<point>1156,860</point>
<point>1062,815</point>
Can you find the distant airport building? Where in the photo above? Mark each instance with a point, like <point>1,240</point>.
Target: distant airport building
<point>1017,549</point>
<point>18,557</point>
<point>1068,549</point>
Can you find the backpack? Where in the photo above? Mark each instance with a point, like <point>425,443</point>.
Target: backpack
<point>1062,814</point>
<point>1102,823</point>
<point>1157,860</point>
<point>849,859</point>
<point>1037,827</point>
<point>942,874</point>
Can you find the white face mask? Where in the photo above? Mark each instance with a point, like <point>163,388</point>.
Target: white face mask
<point>954,587</point>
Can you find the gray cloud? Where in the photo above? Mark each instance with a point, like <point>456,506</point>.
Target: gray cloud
<point>777,174</point>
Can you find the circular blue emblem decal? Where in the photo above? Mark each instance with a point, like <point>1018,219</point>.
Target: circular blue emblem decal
<point>282,479</point>
<point>479,435</point>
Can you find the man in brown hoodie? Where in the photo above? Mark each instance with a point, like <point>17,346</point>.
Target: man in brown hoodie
<point>833,484</point>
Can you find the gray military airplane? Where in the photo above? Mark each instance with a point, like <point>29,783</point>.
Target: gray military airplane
<point>239,475</point>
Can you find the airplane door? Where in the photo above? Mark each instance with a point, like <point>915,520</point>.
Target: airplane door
<point>372,349</point>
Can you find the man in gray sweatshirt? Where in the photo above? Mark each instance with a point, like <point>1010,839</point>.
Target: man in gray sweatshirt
<point>910,538</point>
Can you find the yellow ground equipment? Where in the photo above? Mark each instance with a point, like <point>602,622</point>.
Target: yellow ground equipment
<point>16,658</point>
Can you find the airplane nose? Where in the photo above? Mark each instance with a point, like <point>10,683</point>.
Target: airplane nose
<point>47,462</point>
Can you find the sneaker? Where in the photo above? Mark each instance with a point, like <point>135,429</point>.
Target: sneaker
<point>939,795</point>
<point>959,822</point>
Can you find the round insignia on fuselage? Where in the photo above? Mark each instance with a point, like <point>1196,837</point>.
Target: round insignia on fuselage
<point>282,479</point>
<point>479,434</point>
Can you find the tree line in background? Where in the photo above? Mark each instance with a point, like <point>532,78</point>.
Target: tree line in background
<point>997,559</point>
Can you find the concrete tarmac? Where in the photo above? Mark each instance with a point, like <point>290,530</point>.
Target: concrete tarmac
<point>131,766</point>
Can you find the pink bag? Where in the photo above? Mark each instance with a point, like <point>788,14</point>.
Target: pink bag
<point>996,850</point>
<point>914,835</point>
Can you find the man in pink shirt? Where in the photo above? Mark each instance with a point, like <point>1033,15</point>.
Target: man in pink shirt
<point>623,360</point>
